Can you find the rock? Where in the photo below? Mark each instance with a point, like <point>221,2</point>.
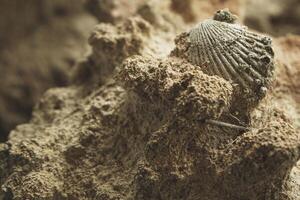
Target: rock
<point>134,125</point>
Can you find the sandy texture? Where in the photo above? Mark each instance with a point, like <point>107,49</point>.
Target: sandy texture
<point>287,82</point>
<point>134,125</point>
<point>287,97</point>
<point>42,40</point>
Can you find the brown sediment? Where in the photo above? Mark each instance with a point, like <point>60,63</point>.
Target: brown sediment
<point>40,43</point>
<point>111,45</point>
<point>133,126</point>
<point>113,11</point>
<point>177,85</point>
<point>286,86</point>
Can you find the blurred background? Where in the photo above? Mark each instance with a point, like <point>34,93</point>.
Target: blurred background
<point>42,40</point>
<point>276,17</point>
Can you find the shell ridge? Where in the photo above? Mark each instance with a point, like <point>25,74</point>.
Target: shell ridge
<point>248,61</point>
<point>242,33</point>
<point>229,67</point>
<point>217,53</point>
<point>195,38</point>
<point>240,61</point>
<point>203,63</point>
<point>208,47</point>
<point>211,49</point>
<point>241,64</point>
<point>232,52</point>
<point>255,51</point>
<point>236,65</point>
<point>194,58</point>
<point>237,76</point>
<point>243,46</point>
<point>200,60</point>
<point>230,34</point>
<point>255,70</point>
<point>250,35</point>
<point>202,38</point>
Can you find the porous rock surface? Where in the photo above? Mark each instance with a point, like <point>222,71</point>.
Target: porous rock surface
<point>132,126</point>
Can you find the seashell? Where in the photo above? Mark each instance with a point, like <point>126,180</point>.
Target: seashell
<point>231,51</point>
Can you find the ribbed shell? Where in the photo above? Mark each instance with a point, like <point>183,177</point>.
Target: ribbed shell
<point>230,51</point>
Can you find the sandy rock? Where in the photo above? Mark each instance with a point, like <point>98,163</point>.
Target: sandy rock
<point>137,128</point>
<point>177,85</point>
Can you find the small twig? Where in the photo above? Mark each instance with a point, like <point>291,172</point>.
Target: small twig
<point>228,125</point>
